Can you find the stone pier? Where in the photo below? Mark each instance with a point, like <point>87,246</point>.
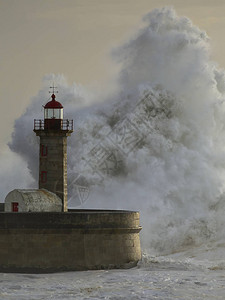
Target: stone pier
<point>70,241</point>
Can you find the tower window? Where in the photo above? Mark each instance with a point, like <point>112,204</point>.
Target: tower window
<point>44,150</point>
<point>43,176</point>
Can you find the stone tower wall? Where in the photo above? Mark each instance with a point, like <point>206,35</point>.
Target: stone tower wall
<point>53,163</point>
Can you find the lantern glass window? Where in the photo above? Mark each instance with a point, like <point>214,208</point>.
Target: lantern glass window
<point>53,113</point>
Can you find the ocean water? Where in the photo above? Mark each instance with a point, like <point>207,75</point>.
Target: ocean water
<point>154,278</point>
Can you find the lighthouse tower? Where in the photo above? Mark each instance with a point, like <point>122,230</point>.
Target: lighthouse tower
<point>53,132</point>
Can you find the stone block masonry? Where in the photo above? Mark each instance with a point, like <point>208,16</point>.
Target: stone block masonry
<point>76,240</point>
<point>53,162</point>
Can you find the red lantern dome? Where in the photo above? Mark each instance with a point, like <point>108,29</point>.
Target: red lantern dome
<point>53,103</point>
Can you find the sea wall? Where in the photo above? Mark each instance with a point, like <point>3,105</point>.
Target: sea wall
<point>75,240</point>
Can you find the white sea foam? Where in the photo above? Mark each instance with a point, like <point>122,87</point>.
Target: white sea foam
<point>157,281</point>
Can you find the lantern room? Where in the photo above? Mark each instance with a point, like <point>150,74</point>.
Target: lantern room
<point>53,114</point>
<point>53,118</point>
<point>53,109</point>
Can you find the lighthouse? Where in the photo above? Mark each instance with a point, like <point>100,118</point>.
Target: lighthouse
<point>53,132</point>
<point>34,228</point>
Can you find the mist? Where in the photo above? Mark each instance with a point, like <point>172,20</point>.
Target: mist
<point>156,144</point>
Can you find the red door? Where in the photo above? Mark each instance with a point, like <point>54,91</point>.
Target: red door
<point>15,207</point>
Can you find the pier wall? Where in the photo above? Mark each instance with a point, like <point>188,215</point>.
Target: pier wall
<point>75,240</point>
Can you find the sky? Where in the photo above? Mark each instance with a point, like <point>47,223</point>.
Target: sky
<point>75,38</point>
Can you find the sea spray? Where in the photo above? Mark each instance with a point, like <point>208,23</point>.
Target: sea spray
<point>158,146</point>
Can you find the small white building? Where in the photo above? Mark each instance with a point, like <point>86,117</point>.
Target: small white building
<point>32,201</point>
